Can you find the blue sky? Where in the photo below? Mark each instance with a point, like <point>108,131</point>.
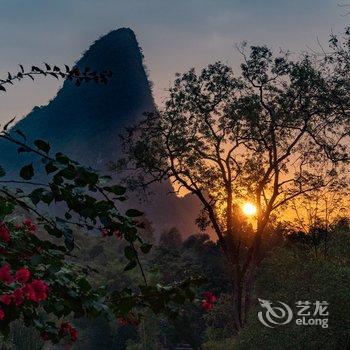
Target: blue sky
<point>175,35</point>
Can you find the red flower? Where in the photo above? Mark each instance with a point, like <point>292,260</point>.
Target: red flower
<point>206,305</point>
<point>2,314</point>
<point>210,297</point>
<point>4,233</point>
<point>73,334</point>
<point>36,291</point>
<point>29,226</point>
<point>130,318</point>
<point>5,274</point>
<point>5,299</point>
<point>67,329</point>
<point>104,232</point>
<point>22,275</point>
<point>118,234</point>
<point>18,296</point>
<point>122,321</point>
<point>209,300</point>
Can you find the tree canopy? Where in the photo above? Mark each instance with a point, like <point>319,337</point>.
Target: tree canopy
<point>275,132</point>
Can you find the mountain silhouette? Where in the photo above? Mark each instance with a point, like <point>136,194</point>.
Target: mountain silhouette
<point>85,122</point>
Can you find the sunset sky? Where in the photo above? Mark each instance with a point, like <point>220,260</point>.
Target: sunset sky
<point>174,35</point>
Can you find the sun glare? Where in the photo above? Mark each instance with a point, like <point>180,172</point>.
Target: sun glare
<point>249,209</point>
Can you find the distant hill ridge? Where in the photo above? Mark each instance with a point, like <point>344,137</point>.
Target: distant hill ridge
<point>85,122</point>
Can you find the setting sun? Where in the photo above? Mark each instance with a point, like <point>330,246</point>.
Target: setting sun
<point>249,209</point>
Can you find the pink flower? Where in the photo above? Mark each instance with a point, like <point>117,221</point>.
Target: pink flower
<point>67,329</point>
<point>2,314</point>
<point>5,299</point>
<point>22,275</point>
<point>104,232</point>
<point>73,334</point>
<point>210,297</point>
<point>29,292</point>
<point>209,300</point>
<point>5,274</point>
<point>36,291</point>
<point>18,296</point>
<point>206,305</point>
<point>118,234</point>
<point>29,225</point>
<point>4,233</point>
<point>65,326</point>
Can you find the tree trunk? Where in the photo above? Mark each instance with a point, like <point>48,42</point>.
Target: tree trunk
<point>243,283</point>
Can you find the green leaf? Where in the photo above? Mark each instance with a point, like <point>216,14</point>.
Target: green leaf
<point>68,238</point>
<point>84,284</point>
<point>57,179</point>
<point>36,259</point>
<point>53,231</point>
<point>146,247</point>
<point>116,189</point>
<point>130,266</point>
<point>61,158</point>
<point>129,252</point>
<point>36,195</point>
<point>47,198</point>
<point>50,168</point>
<point>27,172</point>
<point>131,213</point>
<point>68,173</point>
<point>6,208</point>
<point>42,146</point>
<point>89,177</point>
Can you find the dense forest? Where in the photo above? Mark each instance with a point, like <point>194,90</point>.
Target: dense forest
<point>291,271</point>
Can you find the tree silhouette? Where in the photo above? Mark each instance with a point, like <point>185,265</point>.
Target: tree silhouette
<point>262,136</point>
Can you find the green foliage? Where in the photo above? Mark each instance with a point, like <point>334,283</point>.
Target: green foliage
<point>291,274</point>
<point>27,172</point>
<point>73,74</point>
<point>196,256</point>
<point>91,206</point>
<point>227,344</point>
<point>67,291</point>
<point>171,239</point>
<point>219,321</point>
<point>106,263</point>
<point>24,338</point>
